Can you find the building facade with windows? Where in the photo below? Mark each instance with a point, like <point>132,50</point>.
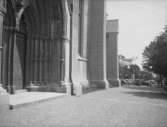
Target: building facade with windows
<point>53,45</point>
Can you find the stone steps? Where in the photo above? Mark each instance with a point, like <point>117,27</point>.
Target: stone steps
<point>21,91</point>
<point>29,98</point>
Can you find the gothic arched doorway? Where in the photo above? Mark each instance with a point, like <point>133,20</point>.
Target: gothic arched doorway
<point>36,45</point>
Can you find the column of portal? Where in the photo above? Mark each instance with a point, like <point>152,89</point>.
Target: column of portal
<point>6,36</point>
<point>4,97</point>
<point>35,60</point>
<point>40,60</point>
<point>62,55</point>
<point>46,61</point>
<point>12,41</point>
<point>38,63</point>
<point>9,74</point>
<point>28,61</point>
<point>54,61</point>
<point>53,64</point>
<point>43,61</point>
<point>49,59</point>
<point>66,45</point>
<point>2,12</point>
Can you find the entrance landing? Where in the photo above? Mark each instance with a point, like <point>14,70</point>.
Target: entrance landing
<point>26,98</point>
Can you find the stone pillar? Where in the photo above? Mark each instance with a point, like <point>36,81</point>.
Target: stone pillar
<point>45,61</point>
<point>2,11</point>
<point>38,57</point>
<point>83,38</point>
<point>40,60</point>
<point>4,97</point>
<point>28,62</point>
<point>97,44</point>
<point>31,60</point>
<point>52,60</point>
<point>48,60</point>
<point>62,57</point>
<point>36,61</point>
<point>66,44</point>
<point>11,87</point>
<point>112,53</point>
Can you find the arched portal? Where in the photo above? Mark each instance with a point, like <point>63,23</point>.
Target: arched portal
<point>44,44</point>
<point>38,45</point>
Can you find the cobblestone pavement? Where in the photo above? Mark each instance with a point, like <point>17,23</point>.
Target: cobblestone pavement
<point>116,107</point>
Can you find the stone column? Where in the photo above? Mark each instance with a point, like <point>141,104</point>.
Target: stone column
<point>2,12</point>
<point>49,54</point>
<point>97,44</point>
<point>4,97</point>
<point>66,44</point>
<point>36,61</point>
<point>11,88</point>
<point>38,57</point>
<point>33,59</point>
<point>62,56</point>
<point>28,51</point>
<point>83,59</point>
<point>30,60</point>
<point>112,53</point>
<point>52,60</point>
<point>40,60</point>
<point>46,60</point>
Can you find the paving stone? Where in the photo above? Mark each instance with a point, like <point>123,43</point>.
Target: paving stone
<point>115,107</point>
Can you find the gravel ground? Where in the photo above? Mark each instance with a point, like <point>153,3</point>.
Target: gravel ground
<point>116,107</point>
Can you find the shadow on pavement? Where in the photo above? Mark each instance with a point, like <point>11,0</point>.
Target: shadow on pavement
<point>143,88</point>
<point>152,93</point>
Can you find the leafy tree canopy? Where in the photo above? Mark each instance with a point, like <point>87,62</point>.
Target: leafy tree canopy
<point>155,55</point>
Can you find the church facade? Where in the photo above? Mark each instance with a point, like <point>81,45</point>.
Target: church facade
<point>54,45</point>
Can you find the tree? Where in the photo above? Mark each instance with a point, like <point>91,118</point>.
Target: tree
<point>155,55</point>
<point>127,69</point>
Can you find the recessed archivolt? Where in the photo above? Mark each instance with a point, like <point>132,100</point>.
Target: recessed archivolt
<point>45,15</point>
<point>9,19</point>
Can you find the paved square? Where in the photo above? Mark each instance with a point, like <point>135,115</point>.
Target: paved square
<point>116,107</point>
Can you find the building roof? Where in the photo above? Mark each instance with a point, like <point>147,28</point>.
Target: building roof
<point>112,25</point>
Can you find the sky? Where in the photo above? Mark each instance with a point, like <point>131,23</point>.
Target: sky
<point>140,21</point>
